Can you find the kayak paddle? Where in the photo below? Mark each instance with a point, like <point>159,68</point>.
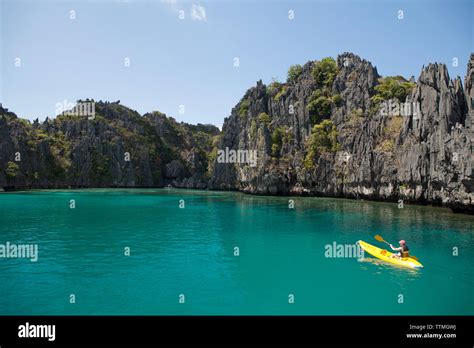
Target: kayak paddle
<point>380,239</point>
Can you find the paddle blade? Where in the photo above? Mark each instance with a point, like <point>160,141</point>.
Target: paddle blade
<point>379,238</point>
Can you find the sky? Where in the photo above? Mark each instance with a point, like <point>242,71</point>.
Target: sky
<point>143,54</point>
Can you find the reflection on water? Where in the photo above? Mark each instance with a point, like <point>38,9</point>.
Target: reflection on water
<point>396,272</point>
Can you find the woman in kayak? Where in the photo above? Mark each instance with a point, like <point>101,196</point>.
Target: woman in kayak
<point>403,250</point>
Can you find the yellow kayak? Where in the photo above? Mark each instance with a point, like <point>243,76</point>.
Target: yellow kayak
<point>386,256</point>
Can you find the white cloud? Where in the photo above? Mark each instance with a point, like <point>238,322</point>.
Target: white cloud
<point>198,13</point>
<point>173,4</point>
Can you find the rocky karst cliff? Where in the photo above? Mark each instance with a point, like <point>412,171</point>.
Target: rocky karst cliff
<point>420,155</point>
<point>334,128</point>
<point>117,148</point>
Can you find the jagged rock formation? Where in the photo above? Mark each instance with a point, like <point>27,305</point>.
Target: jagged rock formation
<point>117,148</point>
<point>423,157</point>
<point>325,133</point>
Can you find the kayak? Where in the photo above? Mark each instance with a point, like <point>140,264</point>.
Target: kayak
<point>385,255</point>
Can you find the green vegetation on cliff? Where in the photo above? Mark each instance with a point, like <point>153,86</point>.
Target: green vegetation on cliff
<point>324,72</point>
<point>322,100</point>
<point>323,139</point>
<point>319,106</point>
<point>264,118</point>
<point>294,72</point>
<point>12,170</point>
<point>244,108</point>
<point>392,87</point>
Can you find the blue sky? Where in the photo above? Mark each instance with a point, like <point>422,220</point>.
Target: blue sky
<point>190,61</point>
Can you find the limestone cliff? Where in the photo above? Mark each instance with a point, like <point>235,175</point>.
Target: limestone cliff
<point>424,155</point>
<point>116,148</point>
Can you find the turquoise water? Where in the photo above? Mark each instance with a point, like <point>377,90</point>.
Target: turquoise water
<point>190,251</point>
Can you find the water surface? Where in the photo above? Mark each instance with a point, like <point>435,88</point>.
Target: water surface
<point>190,251</point>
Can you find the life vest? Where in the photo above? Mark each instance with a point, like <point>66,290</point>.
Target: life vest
<point>405,252</point>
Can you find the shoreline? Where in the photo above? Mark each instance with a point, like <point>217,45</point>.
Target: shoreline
<point>468,211</point>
